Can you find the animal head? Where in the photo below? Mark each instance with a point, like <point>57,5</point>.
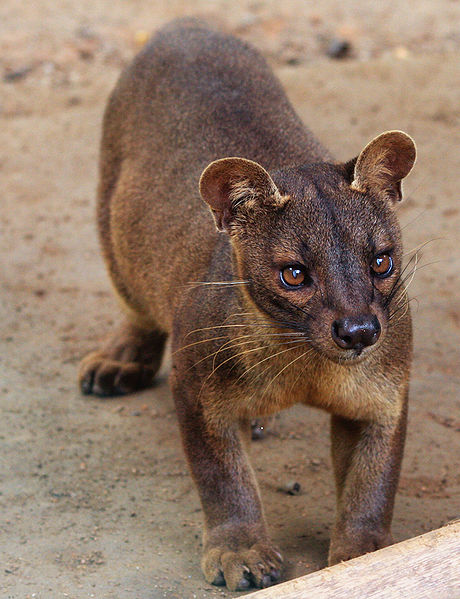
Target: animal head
<point>319,245</point>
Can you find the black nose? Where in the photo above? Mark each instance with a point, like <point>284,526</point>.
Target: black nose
<point>356,332</point>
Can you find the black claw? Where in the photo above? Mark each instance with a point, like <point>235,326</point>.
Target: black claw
<point>243,584</point>
<point>121,391</point>
<point>87,384</point>
<point>219,580</point>
<point>266,581</point>
<point>97,390</point>
<point>275,574</point>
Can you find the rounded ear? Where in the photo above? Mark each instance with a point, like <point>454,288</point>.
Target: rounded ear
<point>228,183</point>
<point>383,163</point>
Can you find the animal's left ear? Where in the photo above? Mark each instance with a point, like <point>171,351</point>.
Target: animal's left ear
<point>383,163</point>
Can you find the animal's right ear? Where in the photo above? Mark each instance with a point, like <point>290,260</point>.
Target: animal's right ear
<point>229,183</point>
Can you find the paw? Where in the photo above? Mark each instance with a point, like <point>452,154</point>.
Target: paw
<point>344,547</point>
<point>103,376</point>
<point>258,566</point>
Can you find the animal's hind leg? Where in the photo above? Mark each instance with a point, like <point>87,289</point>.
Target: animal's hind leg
<point>127,362</point>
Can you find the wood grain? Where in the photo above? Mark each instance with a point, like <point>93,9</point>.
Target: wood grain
<point>424,567</point>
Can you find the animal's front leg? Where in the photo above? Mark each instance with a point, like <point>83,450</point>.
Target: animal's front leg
<point>367,460</point>
<point>237,550</point>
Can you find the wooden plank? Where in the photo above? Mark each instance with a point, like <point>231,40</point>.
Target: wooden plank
<point>425,567</point>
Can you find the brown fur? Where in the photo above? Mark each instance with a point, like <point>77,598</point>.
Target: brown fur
<point>244,346</point>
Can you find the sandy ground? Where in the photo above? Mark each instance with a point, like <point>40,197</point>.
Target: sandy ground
<point>95,496</point>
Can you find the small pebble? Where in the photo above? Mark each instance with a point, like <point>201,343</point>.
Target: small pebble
<point>292,61</point>
<point>291,488</point>
<point>17,74</point>
<point>257,431</point>
<point>315,465</point>
<point>86,32</point>
<point>141,37</point>
<point>74,101</point>
<point>338,48</point>
<point>248,20</point>
<point>401,52</point>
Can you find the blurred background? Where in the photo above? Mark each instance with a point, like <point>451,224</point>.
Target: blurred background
<point>95,496</point>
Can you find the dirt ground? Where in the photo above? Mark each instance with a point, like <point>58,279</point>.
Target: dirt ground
<point>95,496</point>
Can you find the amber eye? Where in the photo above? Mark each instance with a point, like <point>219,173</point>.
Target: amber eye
<point>382,266</point>
<point>293,276</point>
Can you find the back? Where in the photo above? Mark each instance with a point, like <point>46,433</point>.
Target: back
<point>190,97</point>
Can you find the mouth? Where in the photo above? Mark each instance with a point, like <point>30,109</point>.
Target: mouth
<point>349,356</point>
